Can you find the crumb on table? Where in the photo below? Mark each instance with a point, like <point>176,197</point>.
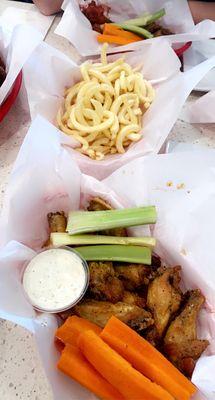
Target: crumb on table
<point>169,183</point>
<point>180,186</point>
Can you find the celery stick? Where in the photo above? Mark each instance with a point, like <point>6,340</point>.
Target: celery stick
<point>88,221</point>
<point>130,254</point>
<point>63,239</point>
<point>145,19</point>
<point>157,15</point>
<point>136,29</point>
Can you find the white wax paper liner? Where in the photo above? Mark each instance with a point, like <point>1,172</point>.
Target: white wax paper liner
<point>201,110</point>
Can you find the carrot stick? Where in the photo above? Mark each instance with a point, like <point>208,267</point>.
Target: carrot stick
<point>146,359</point>
<point>117,371</point>
<point>71,329</point>
<point>114,30</point>
<point>73,364</point>
<point>114,39</point>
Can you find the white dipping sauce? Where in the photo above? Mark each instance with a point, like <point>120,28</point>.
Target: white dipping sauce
<point>55,279</point>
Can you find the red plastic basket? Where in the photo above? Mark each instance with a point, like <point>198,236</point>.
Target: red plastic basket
<point>6,106</point>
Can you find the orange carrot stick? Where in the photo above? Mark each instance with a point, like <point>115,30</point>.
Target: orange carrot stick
<point>71,329</point>
<point>114,30</point>
<point>146,359</point>
<point>73,364</point>
<point>114,39</point>
<point>117,371</point>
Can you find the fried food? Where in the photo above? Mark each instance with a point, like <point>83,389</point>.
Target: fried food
<point>57,221</point>
<point>103,283</point>
<point>98,204</point>
<point>103,111</point>
<point>156,262</point>
<point>164,297</point>
<point>180,343</point>
<point>134,299</point>
<point>97,14</point>
<point>157,29</point>
<point>133,276</point>
<point>151,334</point>
<point>99,312</point>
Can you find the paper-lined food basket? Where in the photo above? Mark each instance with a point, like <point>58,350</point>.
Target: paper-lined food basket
<point>75,27</point>
<point>16,46</point>
<point>49,72</point>
<point>182,234</point>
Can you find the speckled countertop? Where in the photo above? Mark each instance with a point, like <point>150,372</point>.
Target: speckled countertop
<point>21,373</point>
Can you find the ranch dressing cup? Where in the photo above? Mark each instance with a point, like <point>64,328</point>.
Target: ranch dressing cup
<point>55,279</point>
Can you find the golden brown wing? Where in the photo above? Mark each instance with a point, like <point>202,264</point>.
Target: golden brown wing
<point>134,299</point>
<point>100,312</point>
<point>98,204</point>
<point>133,276</point>
<point>103,284</point>
<point>57,221</point>
<point>181,343</point>
<point>164,297</point>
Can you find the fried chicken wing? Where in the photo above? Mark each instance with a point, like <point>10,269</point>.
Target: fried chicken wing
<point>156,262</point>
<point>100,312</point>
<point>103,284</point>
<point>181,344</point>
<point>164,297</point>
<point>57,221</point>
<point>157,29</point>
<point>98,204</point>
<point>152,336</point>
<point>133,276</point>
<point>134,299</point>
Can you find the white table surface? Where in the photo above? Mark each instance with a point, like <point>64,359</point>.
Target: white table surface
<point>21,374</point>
